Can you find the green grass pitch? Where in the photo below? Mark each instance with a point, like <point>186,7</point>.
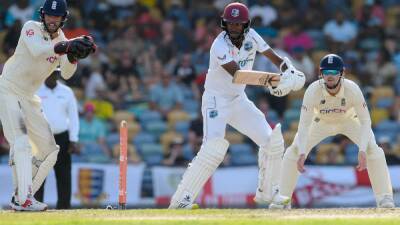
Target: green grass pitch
<point>342,216</point>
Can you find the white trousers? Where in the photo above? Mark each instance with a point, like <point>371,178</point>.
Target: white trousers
<point>21,116</point>
<point>239,112</point>
<point>376,164</point>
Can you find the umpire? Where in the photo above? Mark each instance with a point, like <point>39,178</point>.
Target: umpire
<point>60,108</point>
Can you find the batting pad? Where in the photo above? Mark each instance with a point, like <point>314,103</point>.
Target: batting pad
<point>379,174</point>
<point>270,163</point>
<point>42,168</point>
<point>22,156</point>
<point>202,167</point>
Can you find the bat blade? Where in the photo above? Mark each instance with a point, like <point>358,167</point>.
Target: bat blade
<point>258,78</point>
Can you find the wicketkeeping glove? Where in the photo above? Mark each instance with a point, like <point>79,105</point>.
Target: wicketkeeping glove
<point>77,48</point>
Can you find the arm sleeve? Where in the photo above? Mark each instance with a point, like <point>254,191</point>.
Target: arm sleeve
<point>262,46</point>
<point>67,69</point>
<point>306,116</point>
<point>34,42</point>
<point>220,52</point>
<point>361,108</point>
<point>73,128</point>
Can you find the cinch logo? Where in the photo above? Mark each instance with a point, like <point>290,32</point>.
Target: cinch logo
<point>329,111</point>
<point>52,59</point>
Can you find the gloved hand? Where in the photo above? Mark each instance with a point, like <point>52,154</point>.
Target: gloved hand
<point>284,87</point>
<point>77,48</point>
<point>292,79</point>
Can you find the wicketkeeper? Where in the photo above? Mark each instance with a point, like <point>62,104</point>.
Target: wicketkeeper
<point>42,47</point>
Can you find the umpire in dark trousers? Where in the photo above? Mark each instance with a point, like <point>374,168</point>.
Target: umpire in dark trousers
<point>60,108</point>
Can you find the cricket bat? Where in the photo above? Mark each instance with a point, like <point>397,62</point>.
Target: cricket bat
<point>259,78</point>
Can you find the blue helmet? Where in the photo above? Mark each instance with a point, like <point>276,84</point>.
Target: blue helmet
<point>331,62</point>
<point>54,8</point>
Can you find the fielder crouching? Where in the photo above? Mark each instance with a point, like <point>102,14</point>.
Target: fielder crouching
<point>335,105</point>
<point>42,47</point>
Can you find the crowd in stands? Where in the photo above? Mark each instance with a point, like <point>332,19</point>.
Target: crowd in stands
<point>153,57</point>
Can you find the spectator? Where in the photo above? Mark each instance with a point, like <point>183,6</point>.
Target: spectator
<point>302,61</point>
<point>11,39</point>
<point>267,13</point>
<point>165,96</point>
<point>185,71</point>
<point>381,70</point>
<point>297,38</point>
<point>175,155</point>
<point>94,83</point>
<point>74,28</point>
<point>340,33</point>
<point>21,10</point>
<point>92,136</point>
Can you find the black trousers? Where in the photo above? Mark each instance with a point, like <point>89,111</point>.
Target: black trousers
<point>62,170</point>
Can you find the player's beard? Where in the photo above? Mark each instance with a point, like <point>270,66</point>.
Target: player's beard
<point>331,87</point>
<point>52,27</point>
<point>236,38</point>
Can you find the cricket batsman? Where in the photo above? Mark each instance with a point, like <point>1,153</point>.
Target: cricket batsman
<point>224,102</point>
<point>334,105</point>
<point>42,47</point>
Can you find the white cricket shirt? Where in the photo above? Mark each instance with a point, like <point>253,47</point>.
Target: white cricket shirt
<point>33,61</point>
<point>222,51</point>
<point>319,105</point>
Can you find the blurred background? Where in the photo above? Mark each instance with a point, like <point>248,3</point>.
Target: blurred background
<point>150,68</point>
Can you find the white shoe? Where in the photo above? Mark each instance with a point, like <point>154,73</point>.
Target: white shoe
<point>386,202</point>
<point>31,204</point>
<point>280,202</point>
<point>262,198</point>
<point>184,203</point>
<point>184,206</point>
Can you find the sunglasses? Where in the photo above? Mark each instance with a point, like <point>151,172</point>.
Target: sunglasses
<point>331,72</point>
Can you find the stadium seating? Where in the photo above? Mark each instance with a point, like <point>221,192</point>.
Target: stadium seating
<point>152,154</point>
<point>242,155</point>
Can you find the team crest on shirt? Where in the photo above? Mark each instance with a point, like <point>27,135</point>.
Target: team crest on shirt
<point>235,12</point>
<point>248,46</point>
<point>343,102</point>
<point>213,113</point>
<point>30,33</point>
